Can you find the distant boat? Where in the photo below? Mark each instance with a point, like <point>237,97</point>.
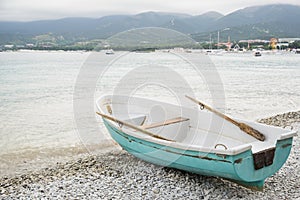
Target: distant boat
<point>109,52</point>
<point>257,53</point>
<point>195,140</point>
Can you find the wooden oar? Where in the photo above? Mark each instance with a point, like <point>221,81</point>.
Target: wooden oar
<point>244,127</point>
<point>133,126</point>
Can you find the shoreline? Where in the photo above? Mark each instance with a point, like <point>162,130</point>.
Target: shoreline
<point>196,50</point>
<point>117,174</point>
<point>19,163</point>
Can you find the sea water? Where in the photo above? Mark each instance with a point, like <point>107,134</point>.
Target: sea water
<point>37,91</point>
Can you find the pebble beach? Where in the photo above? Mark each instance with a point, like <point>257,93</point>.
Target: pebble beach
<point>115,174</point>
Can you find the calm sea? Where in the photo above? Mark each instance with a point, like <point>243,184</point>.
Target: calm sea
<point>37,89</point>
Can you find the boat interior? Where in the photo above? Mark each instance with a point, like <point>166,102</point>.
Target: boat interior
<point>187,127</point>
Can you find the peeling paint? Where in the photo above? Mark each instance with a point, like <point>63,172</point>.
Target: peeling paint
<point>238,160</point>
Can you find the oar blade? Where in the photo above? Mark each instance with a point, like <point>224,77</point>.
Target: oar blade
<point>251,131</point>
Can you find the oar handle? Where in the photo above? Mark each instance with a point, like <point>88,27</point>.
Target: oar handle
<point>132,126</point>
<point>244,127</point>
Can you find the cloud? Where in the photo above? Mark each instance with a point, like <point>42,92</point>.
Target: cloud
<point>36,10</point>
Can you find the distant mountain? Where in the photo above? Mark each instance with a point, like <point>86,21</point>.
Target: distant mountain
<point>194,24</point>
<point>278,20</point>
<point>262,22</point>
<point>279,13</point>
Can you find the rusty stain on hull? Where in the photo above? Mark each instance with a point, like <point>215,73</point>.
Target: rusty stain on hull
<point>286,145</point>
<point>238,160</point>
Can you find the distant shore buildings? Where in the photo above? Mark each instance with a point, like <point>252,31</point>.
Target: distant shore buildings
<point>241,45</point>
<point>274,43</point>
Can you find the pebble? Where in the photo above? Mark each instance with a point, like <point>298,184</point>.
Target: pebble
<point>119,175</point>
<point>282,120</point>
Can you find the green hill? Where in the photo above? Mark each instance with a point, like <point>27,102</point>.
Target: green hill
<point>258,22</point>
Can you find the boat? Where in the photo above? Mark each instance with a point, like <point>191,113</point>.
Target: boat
<point>196,138</point>
<point>109,52</point>
<point>257,53</point>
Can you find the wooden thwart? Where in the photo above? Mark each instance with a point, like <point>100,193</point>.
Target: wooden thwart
<point>132,126</point>
<point>244,127</point>
<point>164,123</point>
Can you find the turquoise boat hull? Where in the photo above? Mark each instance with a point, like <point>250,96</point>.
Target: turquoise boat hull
<point>238,168</point>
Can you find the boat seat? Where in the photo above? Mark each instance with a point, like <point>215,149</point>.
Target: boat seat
<point>136,119</point>
<point>164,123</point>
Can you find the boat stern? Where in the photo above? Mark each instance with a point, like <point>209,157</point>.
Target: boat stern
<point>253,168</point>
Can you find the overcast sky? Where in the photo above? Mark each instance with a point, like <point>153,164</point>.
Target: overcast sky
<point>28,10</point>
